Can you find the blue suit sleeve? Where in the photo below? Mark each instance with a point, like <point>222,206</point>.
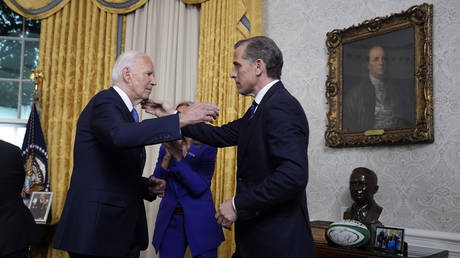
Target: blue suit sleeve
<point>224,136</point>
<point>113,130</point>
<point>197,182</point>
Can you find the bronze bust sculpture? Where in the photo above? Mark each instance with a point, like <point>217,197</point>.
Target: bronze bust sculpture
<point>363,186</point>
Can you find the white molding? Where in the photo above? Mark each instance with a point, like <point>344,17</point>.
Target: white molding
<point>434,239</point>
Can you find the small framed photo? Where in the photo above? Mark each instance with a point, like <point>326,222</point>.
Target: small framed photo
<point>39,206</point>
<point>389,239</point>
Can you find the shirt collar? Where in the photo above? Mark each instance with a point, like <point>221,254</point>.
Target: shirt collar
<point>375,81</point>
<point>264,90</point>
<point>124,97</point>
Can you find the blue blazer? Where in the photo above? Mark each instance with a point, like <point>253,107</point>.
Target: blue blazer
<point>272,175</point>
<point>188,183</point>
<point>104,211</point>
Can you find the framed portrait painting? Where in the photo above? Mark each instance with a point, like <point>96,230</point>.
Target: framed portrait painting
<point>380,85</point>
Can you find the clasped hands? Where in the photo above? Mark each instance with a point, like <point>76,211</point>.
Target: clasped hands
<point>157,186</point>
<point>173,149</point>
<point>196,113</point>
<point>226,215</point>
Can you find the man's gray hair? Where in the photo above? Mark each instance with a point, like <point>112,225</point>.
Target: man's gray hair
<point>127,59</point>
<point>261,47</point>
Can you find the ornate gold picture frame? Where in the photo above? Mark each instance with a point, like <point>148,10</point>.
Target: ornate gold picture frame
<point>380,82</point>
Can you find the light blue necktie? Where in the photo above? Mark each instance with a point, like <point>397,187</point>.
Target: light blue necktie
<point>252,109</point>
<point>135,115</point>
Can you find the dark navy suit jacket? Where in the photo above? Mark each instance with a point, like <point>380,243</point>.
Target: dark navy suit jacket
<point>17,226</point>
<point>104,212</point>
<point>272,176</point>
<point>188,183</point>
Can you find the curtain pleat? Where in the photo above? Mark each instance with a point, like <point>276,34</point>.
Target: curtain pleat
<point>77,53</point>
<point>220,29</point>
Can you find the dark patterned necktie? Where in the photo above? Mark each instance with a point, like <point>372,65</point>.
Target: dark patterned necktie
<point>135,115</point>
<point>252,110</point>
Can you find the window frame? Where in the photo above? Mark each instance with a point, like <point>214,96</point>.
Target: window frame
<point>23,38</point>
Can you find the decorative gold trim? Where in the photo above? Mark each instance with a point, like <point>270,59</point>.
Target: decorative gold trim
<point>193,1</point>
<point>418,18</point>
<point>37,77</point>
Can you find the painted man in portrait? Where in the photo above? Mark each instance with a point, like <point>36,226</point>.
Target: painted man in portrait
<point>377,101</point>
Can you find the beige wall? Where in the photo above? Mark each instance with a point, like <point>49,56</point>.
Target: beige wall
<point>419,184</point>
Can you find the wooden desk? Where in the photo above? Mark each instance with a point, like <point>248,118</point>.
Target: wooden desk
<point>327,251</point>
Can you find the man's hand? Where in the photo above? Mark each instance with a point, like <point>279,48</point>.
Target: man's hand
<point>197,113</point>
<point>157,186</point>
<point>226,215</point>
<point>157,107</point>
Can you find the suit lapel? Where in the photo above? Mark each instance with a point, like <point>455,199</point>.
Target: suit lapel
<point>126,113</point>
<point>250,128</point>
<point>127,116</point>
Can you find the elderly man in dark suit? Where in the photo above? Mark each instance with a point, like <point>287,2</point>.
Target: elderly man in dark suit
<point>18,228</point>
<point>270,206</point>
<point>104,213</point>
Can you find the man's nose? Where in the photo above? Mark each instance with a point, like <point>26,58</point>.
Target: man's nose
<point>153,81</point>
<point>233,74</point>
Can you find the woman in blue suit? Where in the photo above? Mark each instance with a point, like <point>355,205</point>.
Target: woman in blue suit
<point>186,214</point>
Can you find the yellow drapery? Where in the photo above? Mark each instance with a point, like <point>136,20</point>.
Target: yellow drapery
<point>77,53</point>
<point>220,29</point>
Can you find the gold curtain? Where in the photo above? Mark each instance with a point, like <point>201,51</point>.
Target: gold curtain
<point>221,27</point>
<point>77,53</point>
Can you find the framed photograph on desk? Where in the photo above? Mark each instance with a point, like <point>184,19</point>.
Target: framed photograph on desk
<point>39,205</point>
<point>389,239</point>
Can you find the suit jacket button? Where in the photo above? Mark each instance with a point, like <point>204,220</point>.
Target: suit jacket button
<point>240,179</point>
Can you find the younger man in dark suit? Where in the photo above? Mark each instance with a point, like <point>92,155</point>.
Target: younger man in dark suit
<point>270,206</point>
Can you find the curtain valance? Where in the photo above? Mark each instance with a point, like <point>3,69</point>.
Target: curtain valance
<point>193,1</point>
<point>40,9</point>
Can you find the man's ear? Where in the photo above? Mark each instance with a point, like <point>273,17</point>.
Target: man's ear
<point>126,74</point>
<point>260,66</point>
<point>376,189</point>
